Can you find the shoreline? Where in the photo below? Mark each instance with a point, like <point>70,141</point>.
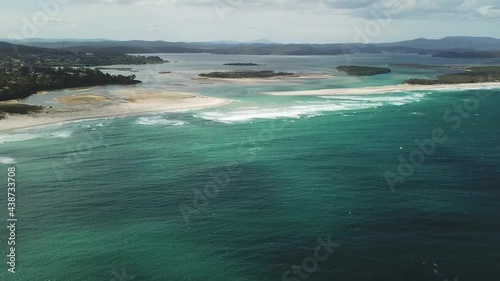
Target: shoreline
<point>294,77</point>
<point>132,105</point>
<point>387,89</point>
<point>133,102</point>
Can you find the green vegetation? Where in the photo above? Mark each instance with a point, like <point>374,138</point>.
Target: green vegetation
<point>73,59</point>
<point>128,69</point>
<point>25,81</point>
<point>245,74</point>
<point>12,55</point>
<point>363,70</point>
<point>468,54</point>
<point>94,59</point>
<point>17,108</point>
<point>426,66</point>
<point>241,64</point>
<point>26,70</point>
<point>478,74</point>
<point>446,47</point>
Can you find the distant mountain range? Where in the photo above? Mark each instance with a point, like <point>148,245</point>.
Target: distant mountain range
<point>459,42</point>
<point>8,48</point>
<point>448,47</point>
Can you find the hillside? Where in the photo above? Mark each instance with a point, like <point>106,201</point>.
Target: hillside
<point>452,42</point>
<point>9,48</point>
<point>448,47</point>
<point>468,54</point>
<point>36,56</point>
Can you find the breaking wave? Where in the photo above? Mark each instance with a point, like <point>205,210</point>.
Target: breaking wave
<point>158,121</point>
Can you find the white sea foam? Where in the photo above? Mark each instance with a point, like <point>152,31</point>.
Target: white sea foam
<point>158,121</point>
<point>386,99</point>
<point>35,135</point>
<point>312,108</point>
<point>60,135</point>
<point>295,111</point>
<point>7,160</point>
<point>391,89</point>
<point>92,126</point>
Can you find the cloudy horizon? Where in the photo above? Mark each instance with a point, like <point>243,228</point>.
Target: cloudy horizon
<point>291,21</point>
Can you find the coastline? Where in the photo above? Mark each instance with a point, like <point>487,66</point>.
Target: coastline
<point>298,76</point>
<point>131,104</point>
<point>387,89</point>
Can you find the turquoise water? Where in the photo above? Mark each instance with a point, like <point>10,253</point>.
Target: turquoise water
<point>121,199</point>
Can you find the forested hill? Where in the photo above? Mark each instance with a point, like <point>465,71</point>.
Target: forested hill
<point>26,70</point>
<point>459,46</point>
<point>12,54</point>
<point>9,48</point>
<point>24,81</point>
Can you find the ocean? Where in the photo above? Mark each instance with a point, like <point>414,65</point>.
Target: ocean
<point>398,186</point>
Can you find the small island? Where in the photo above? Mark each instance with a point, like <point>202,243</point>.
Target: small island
<point>477,74</point>
<point>241,64</point>
<point>246,74</point>
<point>354,70</point>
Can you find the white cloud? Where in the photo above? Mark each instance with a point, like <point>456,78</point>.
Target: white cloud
<point>489,11</point>
<point>247,20</point>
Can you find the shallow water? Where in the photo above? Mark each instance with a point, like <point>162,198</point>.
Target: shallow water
<point>119,199</point>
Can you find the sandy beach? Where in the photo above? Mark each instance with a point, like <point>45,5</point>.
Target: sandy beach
<point>298,76</point>
<point>387,89</point>
<point>78,100</point>
<point>124,102</point>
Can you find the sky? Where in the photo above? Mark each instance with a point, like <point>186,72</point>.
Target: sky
<point>284,21</point>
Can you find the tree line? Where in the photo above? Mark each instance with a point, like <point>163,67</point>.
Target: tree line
<point>25,81</point>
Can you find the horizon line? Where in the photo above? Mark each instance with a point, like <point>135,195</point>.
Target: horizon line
<point>230,41</point>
